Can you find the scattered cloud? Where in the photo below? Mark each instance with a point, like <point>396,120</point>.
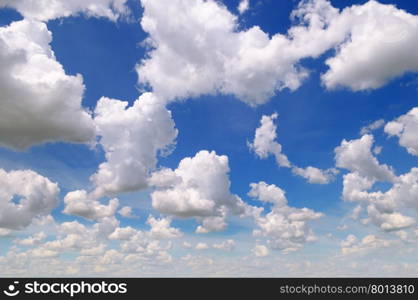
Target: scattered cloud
<point>406,129</point>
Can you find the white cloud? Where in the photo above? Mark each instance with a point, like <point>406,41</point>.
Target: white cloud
<point>79,203</point>
<point>202,246</point>
<point>253,66</point>
<point>356,156</point>
<point>32,240</point>
<point>406,129</point>
<point>369,243</point>
<point>25,195</point>
<point>198,188</point>
<point>243,6</point>
<point>125,233</point>
<point>39,101</point>
<point>265,143</point>
<point>132,137</point>
<point>227,245</point>
<point>161,228</point>
<point>378,42</point>
<point>202,51</point>
<point>285,227</point>
<point>45,10</point>
<point>5,232</point>
<point>126,212</point>
<point>315,175</point>
<point>260,251</point>
<point>372,126</point>
<point>384,209</point>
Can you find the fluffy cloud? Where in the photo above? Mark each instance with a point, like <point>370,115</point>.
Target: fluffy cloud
<point>285,227</point>
<point>39,101</point>
<point>45,10</point>
<point>204,42</point>
<point>260,251</point>
<point>79,203</point>
<point>202,246</point>
<point>25,195</point>
<point>356,156</point>
<point>126,212</point>
<point>227,245</point>
<point>383,208</point>
<point>132,137</point>
<point>265,142</point>
<point>160,228</point>
<point>377,45</point>
<point>243,6</point>
<point>406,129</point>
<point>32,240</point>
<point>369,243</point>
<point>198,188</point>
<point>202,51</point>
<point>315,175</point>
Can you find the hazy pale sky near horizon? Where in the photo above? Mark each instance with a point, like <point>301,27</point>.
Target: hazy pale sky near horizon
<point>208,138</point>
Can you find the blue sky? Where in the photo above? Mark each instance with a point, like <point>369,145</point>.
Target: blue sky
<point>111,50</point>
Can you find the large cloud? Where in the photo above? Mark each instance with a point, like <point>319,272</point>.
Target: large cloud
<point>285,227</point>
<point>203,51</point>
<point>380,45</point>
<point>45,10</point>
<point>198,188</point>
<point>132,137</point>
<point>406,128</point>
<point>79,203</point>
<point>356,156</point>
<point>383,208</point>
<point>23,196</point>
<point>39,102</point>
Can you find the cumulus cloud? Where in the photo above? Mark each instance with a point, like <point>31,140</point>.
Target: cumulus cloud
<point>260,251</point>
<point>202,246</point>
<point>202,51</point>
<point>39,101</point>
<point>131,137</point>
<point>369,243</point>
<point>198,188</point>
<point>227,245</point>
<point>32,240</point>
<point>243,6</point>
<point>286,228</point>
<point>79,203</point>
<point>24,195</point>
<point>315,175</point>
<point>406,129</point>
<point>265,143</point>
<point>214,55</point>
<point>126,212</point>
<point>384,208</point>
<point>45,10</point>
<point>161,228</point>
<point>356,156</point>
<point>377,46</point>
